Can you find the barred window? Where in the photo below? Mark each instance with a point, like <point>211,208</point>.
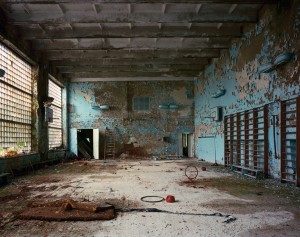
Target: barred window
<point>15,100</point>
<point>141,103</point>
<point>55,128</point>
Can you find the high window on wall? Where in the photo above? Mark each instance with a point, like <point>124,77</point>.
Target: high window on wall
<point>55,128</point>
<point>141,103</point>
<point>15,101</point>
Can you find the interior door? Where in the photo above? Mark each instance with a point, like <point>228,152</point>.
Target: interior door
<point>96,143</point>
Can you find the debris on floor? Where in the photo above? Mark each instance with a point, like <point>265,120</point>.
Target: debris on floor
<point>228,218</point>
<point>68,210</point>
<point>191,172</point>
<point>214,199</point>
<point>170,198</point>
<point>152,199</point>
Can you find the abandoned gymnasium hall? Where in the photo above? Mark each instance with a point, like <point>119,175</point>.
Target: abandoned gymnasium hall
<point>138,118</point>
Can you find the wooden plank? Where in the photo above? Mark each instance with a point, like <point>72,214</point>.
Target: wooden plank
<point>225,141</point>
<point>255,136</point>
<point>231,139</point>
<point>238,142</point>
<point>266,143</point>
<point>298,142</point>
<point>4,175</point>
<point>282,140</point>
<point>4,178</point>
<point>246,139</point>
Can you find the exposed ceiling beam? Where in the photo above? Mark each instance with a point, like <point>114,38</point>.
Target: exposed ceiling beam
<point>89,79</point>
<point>128,43</point>
<point>15,49</point>
<point>100,62</point>
<point>59,31</point>
<point>247,15</point>
<point>232,8</point>
<point>101,39</point>
<point>144,1</point>
<point>128,54</point>
<point>131,74</point>
<point>144,71</point>
<point>135,68</point>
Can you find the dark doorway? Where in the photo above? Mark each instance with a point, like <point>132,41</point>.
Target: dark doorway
<point>85,143</point>
<point>186,142</point>
<point>185,147</point>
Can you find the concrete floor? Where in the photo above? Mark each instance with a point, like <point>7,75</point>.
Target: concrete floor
<point>262,208</point>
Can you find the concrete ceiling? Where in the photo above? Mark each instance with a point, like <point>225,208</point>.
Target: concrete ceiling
<point>123,39</point>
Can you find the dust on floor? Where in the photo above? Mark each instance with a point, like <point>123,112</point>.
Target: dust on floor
<point>262,208</point>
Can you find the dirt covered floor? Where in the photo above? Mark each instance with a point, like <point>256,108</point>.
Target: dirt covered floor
<point>261,208</point>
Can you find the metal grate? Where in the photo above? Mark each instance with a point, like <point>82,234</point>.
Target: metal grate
<point>55,128</point>
<point>15,100</point>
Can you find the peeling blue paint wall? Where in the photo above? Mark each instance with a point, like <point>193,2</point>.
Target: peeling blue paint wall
<point>138,133</point>
<point>237,72</point>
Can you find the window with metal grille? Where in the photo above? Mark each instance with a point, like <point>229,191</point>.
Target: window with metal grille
<point>141,103</point>
<point>55,128</point>
<point>15,100</point>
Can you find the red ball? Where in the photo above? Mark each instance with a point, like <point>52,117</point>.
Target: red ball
<point>170,198</point>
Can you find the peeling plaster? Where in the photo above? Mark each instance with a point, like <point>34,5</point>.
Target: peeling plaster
<point>236,71</point>
<point>147,128</point>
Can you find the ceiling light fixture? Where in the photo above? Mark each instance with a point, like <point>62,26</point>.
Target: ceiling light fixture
<point>219,93</point>
<point>100,107</point>
<point>280,60</point>
<point>171,106</point>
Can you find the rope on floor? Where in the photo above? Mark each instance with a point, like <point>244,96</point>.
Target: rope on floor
<point>229,218</point>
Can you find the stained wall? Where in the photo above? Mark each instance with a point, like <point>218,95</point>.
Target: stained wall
<point>237,71</point>
<point>137,133</point>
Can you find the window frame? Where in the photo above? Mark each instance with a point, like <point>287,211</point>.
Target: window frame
<point>52,126</point>
<point>16,96</point>
<point>139,108</point>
